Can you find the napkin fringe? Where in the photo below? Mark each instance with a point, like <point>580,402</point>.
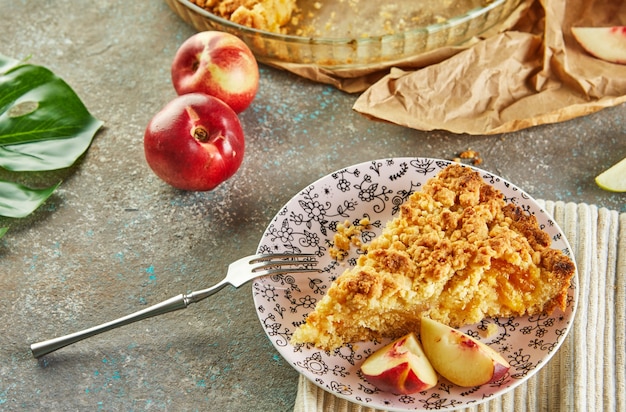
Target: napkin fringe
<point>588,373</point>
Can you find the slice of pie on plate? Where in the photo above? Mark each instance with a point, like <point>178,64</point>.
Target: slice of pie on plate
<point>457,253</point>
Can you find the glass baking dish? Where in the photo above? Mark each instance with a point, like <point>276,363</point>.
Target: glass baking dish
<point>370,35</point>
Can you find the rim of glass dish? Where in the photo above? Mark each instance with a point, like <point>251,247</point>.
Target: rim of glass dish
<point>432,28</point>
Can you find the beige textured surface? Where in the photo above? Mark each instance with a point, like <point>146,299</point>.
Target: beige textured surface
<point>588,371</point>
<point>114,238</point>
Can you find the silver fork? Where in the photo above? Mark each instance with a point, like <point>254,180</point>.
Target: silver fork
<point>239,272</point>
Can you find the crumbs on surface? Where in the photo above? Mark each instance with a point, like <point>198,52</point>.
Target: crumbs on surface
<point>348,235</point>
<point>490,330</point>
<point>469,155</point>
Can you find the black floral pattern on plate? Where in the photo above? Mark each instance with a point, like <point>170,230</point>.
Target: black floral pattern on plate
<point>376,189</point>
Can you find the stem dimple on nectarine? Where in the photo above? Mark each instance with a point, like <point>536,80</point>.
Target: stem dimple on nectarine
<point>195,65</point>
<point>200,134</point>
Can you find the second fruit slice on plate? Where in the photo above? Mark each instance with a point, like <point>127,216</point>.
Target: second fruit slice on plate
<point>460,358</point>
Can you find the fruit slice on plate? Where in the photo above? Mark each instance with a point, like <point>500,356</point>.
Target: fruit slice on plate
<point>401,367</point>
<point>460,358</point>
<point>606,43</point>
<point>614,178</point>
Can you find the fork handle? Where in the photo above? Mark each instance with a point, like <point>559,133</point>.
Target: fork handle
<point>177,302</point>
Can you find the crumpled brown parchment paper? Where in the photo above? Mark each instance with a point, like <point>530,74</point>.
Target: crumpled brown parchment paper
<point>533,74</point>
<point>527,72</point>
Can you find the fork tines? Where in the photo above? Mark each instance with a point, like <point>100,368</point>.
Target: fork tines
<point>276,263</point>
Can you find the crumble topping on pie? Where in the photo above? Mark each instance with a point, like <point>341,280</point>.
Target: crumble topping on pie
<point>268,15</point>
<point>456,253</point>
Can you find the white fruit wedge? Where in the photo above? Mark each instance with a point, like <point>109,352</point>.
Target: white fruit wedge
<point>460,358</point>
<point>606,43</point>
<point>400,367</point>
<point>614,178</point>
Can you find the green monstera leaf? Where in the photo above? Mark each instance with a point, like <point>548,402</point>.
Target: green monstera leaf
<point>19,201</point>
<point>44,126</point>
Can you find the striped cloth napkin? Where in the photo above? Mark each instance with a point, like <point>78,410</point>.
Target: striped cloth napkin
<point>588,373</point>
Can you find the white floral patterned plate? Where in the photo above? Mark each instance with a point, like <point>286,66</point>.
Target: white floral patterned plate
<point>375,190</point>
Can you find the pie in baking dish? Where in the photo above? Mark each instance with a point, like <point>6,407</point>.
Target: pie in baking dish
<point>267,15</point>
<point>457,253</point>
